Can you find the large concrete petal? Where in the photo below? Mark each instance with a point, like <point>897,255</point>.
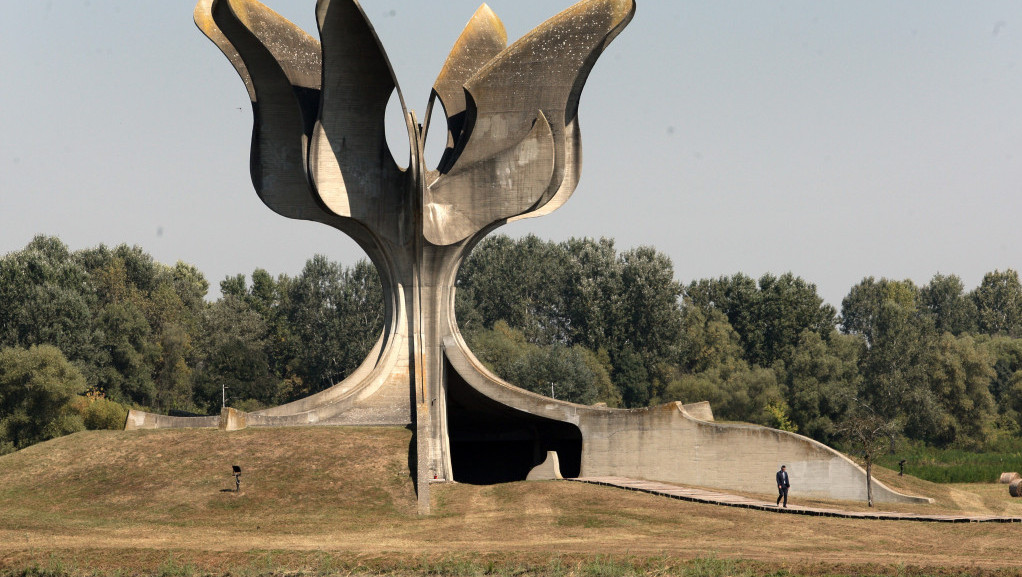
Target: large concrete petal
<point>465,201</point>
<point>297,53</point>
<point>350,161</point>
<point>544,70</point>
<point>279,132</point>
<point>203,16</point>
<point>483,38</point>
<point>572,174</point>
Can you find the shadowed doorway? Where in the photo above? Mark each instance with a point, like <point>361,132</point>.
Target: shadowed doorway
<point>493,443</point>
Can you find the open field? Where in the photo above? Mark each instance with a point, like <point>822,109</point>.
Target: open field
<point>323,501</point>
<point>956,465</point>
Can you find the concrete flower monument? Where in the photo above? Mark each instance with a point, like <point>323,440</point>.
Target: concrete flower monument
<point>513,151</point>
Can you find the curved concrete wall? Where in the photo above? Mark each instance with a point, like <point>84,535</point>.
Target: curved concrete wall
<point>667,443</point>
<point>374,394</point>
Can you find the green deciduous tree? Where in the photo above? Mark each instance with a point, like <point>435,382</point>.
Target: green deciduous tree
<point>737,298</point>
<point>998,302</point>
<point>126,355</point>
<point>937,385</point>
<point>945,301</point>
<point>37,386</point>
<point>269,299</point>
<point>1006,386</point>
<point>334,317</point>
<point>45,298</point>
<point>822,380</point>
<point>960,374</point>
<point>770,316</point>
<point>735,391</point>
<point>521,282</point>
<point>570,373</point>
<point>788,307</point>
<point>234,355</point>
<point>145,324</point>
<point>593,292</point>
<point>580,293</point>
<point>650,325</point>
<point>898,342</point>
<point>712,368</point>
<point>862,310</point>
<point>707,339</point>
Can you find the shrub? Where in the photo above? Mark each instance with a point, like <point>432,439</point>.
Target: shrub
<point>105,414</point>
<point>37,388</point>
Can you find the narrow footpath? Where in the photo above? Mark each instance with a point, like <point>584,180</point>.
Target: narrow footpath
<point>728,500</point>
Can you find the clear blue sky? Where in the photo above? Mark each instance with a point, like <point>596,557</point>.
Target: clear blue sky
<point>835,140</point>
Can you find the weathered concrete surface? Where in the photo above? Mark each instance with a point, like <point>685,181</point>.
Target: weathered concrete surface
<point>143,420</point>
<point>666,443</point>
<point>700,410</point>
<point>548,470</point>
<point>232,419</point>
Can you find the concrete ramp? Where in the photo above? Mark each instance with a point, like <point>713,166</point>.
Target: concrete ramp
<point>697,495</point>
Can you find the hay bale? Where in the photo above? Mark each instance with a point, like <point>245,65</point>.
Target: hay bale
<point>1015,488</point>
<point>1007,478</point>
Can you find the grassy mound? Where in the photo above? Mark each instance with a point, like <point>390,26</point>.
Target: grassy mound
<point>102,479</point>
<point>324,501</point>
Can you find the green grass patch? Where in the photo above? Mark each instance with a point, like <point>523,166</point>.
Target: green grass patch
<point>454,565</point>
<point>957,465</point>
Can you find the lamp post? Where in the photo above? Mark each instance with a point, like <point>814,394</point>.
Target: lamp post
<point>223,392</point>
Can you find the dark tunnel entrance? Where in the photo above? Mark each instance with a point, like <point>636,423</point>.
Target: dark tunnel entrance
<point>492,443</point>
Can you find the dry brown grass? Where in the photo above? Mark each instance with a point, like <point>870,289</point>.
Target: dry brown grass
<point>342,497</point>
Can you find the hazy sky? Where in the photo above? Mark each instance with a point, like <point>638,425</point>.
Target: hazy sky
<point>835,140</point>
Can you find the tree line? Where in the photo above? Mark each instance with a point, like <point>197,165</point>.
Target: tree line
<point>85,335</point>
<point>939,364</point>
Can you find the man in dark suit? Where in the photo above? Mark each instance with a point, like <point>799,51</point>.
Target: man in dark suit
<point>782,485</point>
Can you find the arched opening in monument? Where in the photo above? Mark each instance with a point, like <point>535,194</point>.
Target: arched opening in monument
<point>493,443</point>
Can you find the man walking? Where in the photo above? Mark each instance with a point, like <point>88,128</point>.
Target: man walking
<point>782,486</point>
